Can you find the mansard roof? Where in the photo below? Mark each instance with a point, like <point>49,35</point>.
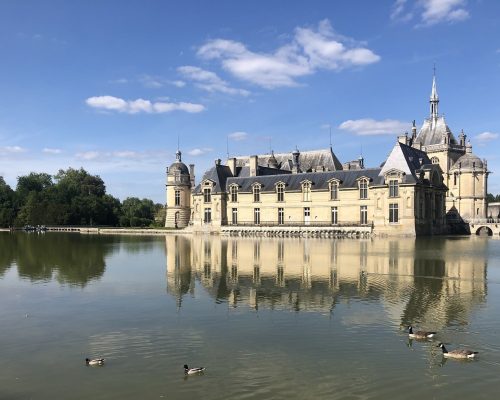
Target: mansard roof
<point>433,131</point>
<point>217,174</point>
<point>309,160</point>
<point>320,180</point>
<point>406,159</point>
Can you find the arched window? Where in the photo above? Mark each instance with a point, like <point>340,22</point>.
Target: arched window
<point>280,191</point>
<point>306,191</point>
<point>363,189</point>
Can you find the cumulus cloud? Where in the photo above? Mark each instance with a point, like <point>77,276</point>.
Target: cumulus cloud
<point>431,12</point>
<point>238,136</point>
<point>199,152</point>
<point>310,50</point>
<point>111,103</point>
<point>486,137</point>
<point>368,126</point>
<point>51,151</point>
<point>209,81</point>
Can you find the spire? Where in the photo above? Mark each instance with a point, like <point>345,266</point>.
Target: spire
<point>434,97</point>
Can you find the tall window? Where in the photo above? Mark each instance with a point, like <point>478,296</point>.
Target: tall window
<point>177,197</point>
<point>334,191</point>
<point>335,216</point>
<point>207,195</point>
<point>281,216</point>
<point>363,215</point>
<point>280,190</point>
<point>234,193</point>
<point>393,213</point>
<point>363,189</point>
<point>207,216</point>
<point>306,191</point>
<point>455,175</point>
<point>393,188</point>
<point>307,215</point>
<point>234,216</point>
<point>256,216</point>
<point>256,193</point>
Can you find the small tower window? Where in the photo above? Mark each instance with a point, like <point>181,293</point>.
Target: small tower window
<point>177,197</point>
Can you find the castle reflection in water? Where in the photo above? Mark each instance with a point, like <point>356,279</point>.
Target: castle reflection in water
<point>418,280</point>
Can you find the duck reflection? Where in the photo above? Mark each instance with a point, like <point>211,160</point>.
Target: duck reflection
<point>428,277</point>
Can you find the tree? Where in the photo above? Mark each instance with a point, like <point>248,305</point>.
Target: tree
<point>490,198</point>
<point>7,211</point>
<point>136,212</point>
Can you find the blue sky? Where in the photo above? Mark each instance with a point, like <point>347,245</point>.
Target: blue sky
<point>111,86</point>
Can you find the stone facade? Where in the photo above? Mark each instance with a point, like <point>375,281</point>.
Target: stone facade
<point>425,176</point>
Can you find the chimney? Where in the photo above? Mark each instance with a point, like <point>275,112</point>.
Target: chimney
<point>191,174</point>
<point>414,131</point>
<point>295,161</point>
<point>403,138</point>
<point>254,165</point>
<point>217,162</point>
<point>231,163</point>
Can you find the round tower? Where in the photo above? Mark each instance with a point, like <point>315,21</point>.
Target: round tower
<point>178,194</point>
<point>468,185</point>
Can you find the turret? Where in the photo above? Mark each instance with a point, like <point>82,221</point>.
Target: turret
<point>178,193</point>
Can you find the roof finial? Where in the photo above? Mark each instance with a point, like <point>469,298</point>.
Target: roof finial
<point>434,96</point>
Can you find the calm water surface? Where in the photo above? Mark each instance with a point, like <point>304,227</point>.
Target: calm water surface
<point>269,318</point>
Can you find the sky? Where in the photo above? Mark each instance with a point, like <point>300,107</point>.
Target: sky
<point>115,86</point>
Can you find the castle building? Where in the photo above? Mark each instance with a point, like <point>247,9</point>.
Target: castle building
<point>424,177</point>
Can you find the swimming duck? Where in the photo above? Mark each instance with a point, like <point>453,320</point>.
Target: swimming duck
<point>94,361</point>
<point>457,353</point>
<point>191,371</point>
<point>419,334</point>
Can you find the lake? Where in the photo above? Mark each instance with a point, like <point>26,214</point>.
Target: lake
<point>268,318</point>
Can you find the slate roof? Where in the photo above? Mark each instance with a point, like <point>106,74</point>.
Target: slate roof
<point>432,132</point>
<point>407,159</point>
<point>319,180</point>
<point>309,160</point>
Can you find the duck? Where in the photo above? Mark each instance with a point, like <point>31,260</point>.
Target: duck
<point>457,353</point>
<point>94,361</point>
<point>420,334</point>
<point>191,371</point>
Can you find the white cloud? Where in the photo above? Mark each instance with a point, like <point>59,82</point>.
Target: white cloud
<point>238,136</point>
<point>209,81</point>
<point>151,82</point>
<point>12,150</point>
<point>486,137</point>
<point>111,103</point>
<point>368,126</point>
<point>120,81</point>
<point>309,51</point>
<point>177,83</point>
<point>435,11</point>
<point>199,152</point>
<point>51,151</point>
<point>431,12</point>
<point>88,155</point>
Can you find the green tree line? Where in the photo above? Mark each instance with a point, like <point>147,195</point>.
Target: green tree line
<point>72,197</point>
<point>490,198</point>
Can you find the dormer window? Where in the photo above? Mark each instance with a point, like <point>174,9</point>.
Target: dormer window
<point>207,195</point>
<point>393,188</point>
<point>334,190</point>
<point>306,191</point>
<point>435,160</point>
<point>234,193</point>
<point>256,193</point>
<point>363,189</point>
<point>280,191</point>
